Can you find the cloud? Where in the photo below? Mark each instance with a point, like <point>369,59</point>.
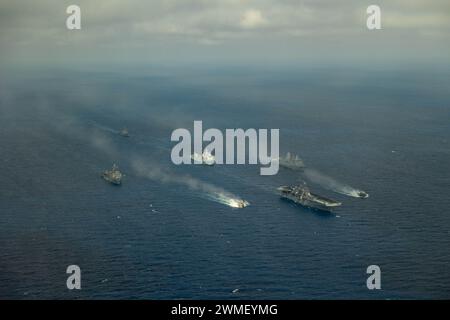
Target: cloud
<point>203,19</point>
<point>252,18</point>
<point>138,29</point>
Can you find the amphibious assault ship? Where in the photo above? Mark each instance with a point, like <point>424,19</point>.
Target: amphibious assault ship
<point>113,176</point>
<point>302,196</point>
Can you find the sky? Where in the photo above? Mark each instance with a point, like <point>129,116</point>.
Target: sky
<point>267,32</point>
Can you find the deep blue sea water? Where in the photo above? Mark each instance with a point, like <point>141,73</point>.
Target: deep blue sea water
<point>386,132</point>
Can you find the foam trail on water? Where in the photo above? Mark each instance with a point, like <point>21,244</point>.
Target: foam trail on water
<point>228,200</point>
<point>208,190</point>
<point>333,185</point>
<point>104,128</point>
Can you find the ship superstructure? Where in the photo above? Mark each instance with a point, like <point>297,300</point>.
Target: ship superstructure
<point>302,196</point>
<point>113,176</point>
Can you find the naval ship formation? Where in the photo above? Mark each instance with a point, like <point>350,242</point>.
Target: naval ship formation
<point>298,194</point>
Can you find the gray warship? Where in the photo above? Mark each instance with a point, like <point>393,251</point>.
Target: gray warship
<point>113,176</point>
<point>239,203</point>
<point>363,195</point>
<point>302,196</point>
<point>291,162</point>
<point>205,158</point>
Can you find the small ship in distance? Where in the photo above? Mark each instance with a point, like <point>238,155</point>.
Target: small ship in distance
<point>113,176</point>
<point>238,203</point>
<point>291,162</point>
<point>301,195</point>
<point>124,133</point>
<point>362,194</point>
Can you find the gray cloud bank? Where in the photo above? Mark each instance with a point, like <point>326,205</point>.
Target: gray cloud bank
<point>223,30</point>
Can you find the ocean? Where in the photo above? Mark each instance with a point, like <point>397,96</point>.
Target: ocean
<point>162,236</point>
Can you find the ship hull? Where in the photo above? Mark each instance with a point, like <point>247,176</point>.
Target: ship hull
<point>115,181</point>
<point>112,181</point>
<point>307,203</point>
